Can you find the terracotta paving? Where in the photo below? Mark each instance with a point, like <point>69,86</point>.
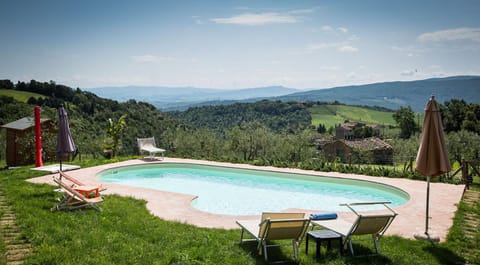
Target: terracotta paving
<point>176,207</point>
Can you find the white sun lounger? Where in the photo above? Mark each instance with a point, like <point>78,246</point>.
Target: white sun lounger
<point>275,226</point>
<point>365,224</point>
<point>148,145</point>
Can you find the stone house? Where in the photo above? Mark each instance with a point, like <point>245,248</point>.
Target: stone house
<point>370,150</point>
<point>347,130</point>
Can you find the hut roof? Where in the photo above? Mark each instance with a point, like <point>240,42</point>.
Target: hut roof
<point>372,143</point>
<point>351,125</point>
<point>23,123</point>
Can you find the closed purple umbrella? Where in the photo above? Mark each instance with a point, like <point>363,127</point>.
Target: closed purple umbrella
<point>432,157</point>
<point>65,144</point>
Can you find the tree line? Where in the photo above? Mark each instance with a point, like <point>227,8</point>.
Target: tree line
<point>457,115</point>
<point>275,115</point>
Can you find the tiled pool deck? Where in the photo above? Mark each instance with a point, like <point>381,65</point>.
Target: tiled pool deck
<point>176,207</point>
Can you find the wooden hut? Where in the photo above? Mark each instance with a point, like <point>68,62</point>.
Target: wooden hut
<point>19,150</point>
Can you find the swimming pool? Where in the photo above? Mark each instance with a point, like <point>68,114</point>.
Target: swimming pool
<point>233,191</point>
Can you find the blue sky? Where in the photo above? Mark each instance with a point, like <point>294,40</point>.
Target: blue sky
<point>237,44</point>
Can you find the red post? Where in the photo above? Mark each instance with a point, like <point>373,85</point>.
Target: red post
<point>38,138</point>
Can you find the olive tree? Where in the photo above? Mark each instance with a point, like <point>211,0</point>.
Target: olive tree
<point>405,118</point>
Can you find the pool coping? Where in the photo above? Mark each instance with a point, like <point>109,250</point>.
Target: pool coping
<point>444,198</point>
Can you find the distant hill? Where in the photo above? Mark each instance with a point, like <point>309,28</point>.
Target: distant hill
<point>176,97</point>
<point>391,95</point>
<point>394,95</point>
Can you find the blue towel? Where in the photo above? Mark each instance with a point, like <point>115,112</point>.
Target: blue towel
<point>323,216</point>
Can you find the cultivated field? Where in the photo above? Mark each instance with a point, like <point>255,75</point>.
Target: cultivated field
<point>331,115</point>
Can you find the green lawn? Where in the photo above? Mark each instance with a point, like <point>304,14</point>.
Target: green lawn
<point>21,96</point>
<point>126,233</point>
<point>330,115</point>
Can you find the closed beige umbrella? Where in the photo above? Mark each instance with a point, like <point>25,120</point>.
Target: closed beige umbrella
<point>432,157</point>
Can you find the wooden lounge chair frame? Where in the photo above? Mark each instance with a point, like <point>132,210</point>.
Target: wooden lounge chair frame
<point>365,224</point>
<point>73,199</point>
<point>77,182</point>
<point>148,145</point>
<point>275,226</point>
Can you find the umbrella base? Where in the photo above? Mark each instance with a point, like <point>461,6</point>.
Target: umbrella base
<point>427,236</point>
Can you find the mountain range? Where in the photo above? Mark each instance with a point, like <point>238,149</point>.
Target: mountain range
<point>186,94</point>
<point>391,95</point>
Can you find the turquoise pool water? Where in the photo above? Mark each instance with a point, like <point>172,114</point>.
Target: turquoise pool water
<point>234,191</point>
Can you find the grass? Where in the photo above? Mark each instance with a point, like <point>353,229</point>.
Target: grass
<point>126,233</point>
<point>21,96</point>
<point>331,115</point>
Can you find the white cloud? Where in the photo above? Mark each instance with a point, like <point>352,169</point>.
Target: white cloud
<point>326,28</point>
<point>353,37</point>
<point>352,75</point>
<point>329,68</point>
<point>398,49</point>
<point>323,45</point>
<point>339,46</point>
<point>347,48</point>
<point>472,34</point>
<point>408,51</point>
<point>197,20</point>
<point>409,72</point>
<point>145,58</point>
<point>148,58</point>
<point>250,19</point>
<point>303,11</point>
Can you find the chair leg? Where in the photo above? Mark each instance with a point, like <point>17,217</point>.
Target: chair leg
<point>265,251</point>
<point>375,243</point>
<point>346,243</point>
<point>96,207</point>
<point>295,250</point>
<point>351,247</point>
<point>241,236</point>
<point>261,246</point>
<point>306,245</point>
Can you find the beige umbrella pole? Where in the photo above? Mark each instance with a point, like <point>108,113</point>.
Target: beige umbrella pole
<point>427,208</point>
<point>432,158</point>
